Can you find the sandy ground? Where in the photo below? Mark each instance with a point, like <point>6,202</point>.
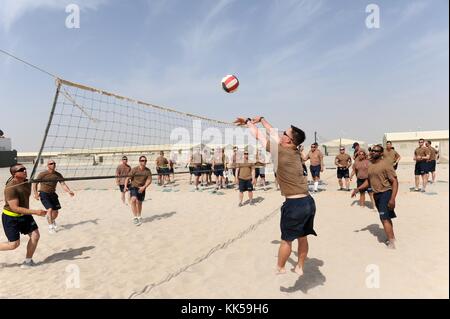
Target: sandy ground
<point>201,245</point>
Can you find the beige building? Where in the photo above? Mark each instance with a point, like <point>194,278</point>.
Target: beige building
<point>331,148</point>
<point>406,142</point>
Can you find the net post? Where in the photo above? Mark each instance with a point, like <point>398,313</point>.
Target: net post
<point>55,101</point>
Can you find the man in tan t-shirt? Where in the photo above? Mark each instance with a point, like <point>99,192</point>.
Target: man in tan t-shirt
<point>391,156</point>
<point>245,173</point>
<point>48,180</point>
<point>421,156</point>
<point>140,178</point>
<point>122,172</point>
<point>163,170</point>
<point>383,181</point>
<point>343,161</point>
<point>17,216</point>
<point>298,210</point>
<point>316,167</point>
<point>431,163</point>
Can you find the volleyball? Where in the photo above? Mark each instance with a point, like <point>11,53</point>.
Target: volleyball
<point>230,83</point>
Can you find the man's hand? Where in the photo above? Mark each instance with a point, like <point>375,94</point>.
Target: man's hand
<point>72,194</point>
<point>39,212</point>
<point>36,196</point>
<point>125,189</point>
<point>355,191</point>
<point>321,169</point>
<point>254,182</point>
<point>391,204</point>
<point>141,190</point>
<point>240,121</point>
<point>257,119</point>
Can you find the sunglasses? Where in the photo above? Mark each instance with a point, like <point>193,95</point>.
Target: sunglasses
<point>285,134</point>
<point>142,160</point>
<point>376,151</point>
<point>245,153</point>
<point>124,159</point>
<point>22,169</point>
<point>51,163</point>
<point>342,150</point>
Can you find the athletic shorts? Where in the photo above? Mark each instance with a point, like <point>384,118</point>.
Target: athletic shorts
<point>122,188</point>
<point>208,168</point>
<point>432,167</point>
<point>134,192</point>
<point>218,170</point>
<point>396,166</point>
<point>420,168</point>
<point>361,181</point>
<point>197,171</point>
<point>164,171</point>
<point>261,172</point>
<point>14,226</point>
<point>381,201</point>
<point>50,200</point>
<point>342,172</point>
<point>245,185</point>
<point>297,218</point>
<point>315,170</point>
<point>191,170</point>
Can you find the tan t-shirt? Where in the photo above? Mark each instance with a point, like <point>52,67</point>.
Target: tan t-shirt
<point>161,161</point>
<point>290,171</point>
<point>344,160</point>
<point>138,177</point>
<point>379,175</point>
<point>122,172</point>
<point>315,158</point>
<point>361,168</point>
<point>390,156</point>
<point>245,170</point>
<point>51,179</point>
<point>433,153</point>
<point>20,192</point>
<point>197,159</point>
<point>422,152</point>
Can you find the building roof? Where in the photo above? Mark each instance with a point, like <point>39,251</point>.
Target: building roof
<point>413,136</point>
<point>342,141</point>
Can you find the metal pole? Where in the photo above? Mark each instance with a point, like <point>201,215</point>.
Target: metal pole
<point>315,137</point>
<point>55,100</point>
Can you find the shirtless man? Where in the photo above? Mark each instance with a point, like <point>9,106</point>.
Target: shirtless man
<point>316,167</point>
<point>343,161</point>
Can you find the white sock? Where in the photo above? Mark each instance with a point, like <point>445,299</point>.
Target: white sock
<point>28,260</point>
<point>316,185</point>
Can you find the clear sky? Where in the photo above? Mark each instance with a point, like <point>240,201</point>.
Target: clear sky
<point>314,64</point>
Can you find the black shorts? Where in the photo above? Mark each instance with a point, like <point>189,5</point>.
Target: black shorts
<point>342,172</point>
<point>208,169</point>
<point>396,166</point>
<point>191,169</point>
<point>297,218</point>
<point>381,201</point>
<point>361,181</point>
<point>315,170</point>
<point>14,226</point>
<point>164,171</point>
<point>50,200</point>
<point>260,172</point>
<point>134,192</point>
<point>122,188</point>
<point>431,166</point>
<point>245,185</point>
<point>218,169</point>
<point>420,168</point>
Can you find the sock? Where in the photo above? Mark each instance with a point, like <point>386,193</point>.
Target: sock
<point>316,185</point>
<point>28,260</point>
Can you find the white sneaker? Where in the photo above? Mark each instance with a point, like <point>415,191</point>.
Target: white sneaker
<point>55,227</point>
<point>139,221</point>
<point>135,220</point>
<point>51,229</point>
<point>28,265</point>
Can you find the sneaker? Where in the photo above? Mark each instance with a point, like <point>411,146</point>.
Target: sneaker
<point>51,229</point>
<point>55,227</point>
<point>240,205</point>
<point>135,220</point>
<point>139,221</point>
<point>28,265</point>
<point>416,190</point>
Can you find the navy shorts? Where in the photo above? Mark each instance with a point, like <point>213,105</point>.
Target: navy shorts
<point>315,170</point>
<point>164,171</point>
<point>381,201</point>
<point>197,171</point>
<point>191,170</point>
<point>50,200</point>
<point>361,181</point>
<point>245,185</point>
<point>342,172</point>
<point>218,170</point>
<point>14,226</point>
<point>420,168</point>
<point>297,218</point>
<point>134,192</point>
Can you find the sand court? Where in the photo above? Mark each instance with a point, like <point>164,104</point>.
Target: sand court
<point>201,245</point>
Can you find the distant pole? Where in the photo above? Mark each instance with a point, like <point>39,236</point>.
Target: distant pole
<point>315,137</point>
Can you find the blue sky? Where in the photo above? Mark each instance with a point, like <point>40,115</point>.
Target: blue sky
<point>314,64</point>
